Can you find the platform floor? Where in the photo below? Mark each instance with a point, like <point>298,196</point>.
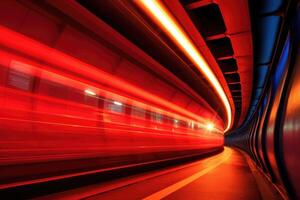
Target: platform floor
<point>224,176</point>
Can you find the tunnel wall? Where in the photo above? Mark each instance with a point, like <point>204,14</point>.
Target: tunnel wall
<point>272,136</point>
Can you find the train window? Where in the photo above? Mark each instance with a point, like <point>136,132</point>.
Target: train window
<point>157,117</point>
<point>3,74</point>
<point>169,120</point>
<point>176,122</point>
<point>183,123</point>
<point>191,125</point>
<point>76,95</point>
<point>138,112</point>
<point>114,106</point>
<point>53,89</point>
<point>19,80</point>
<point>199,126</point>
<point>90,98</point>
<point>79,96</point>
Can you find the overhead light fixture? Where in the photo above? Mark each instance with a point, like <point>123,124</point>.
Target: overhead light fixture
<point>118,103</point>
<point>161,16</point>
<point>90,92</point>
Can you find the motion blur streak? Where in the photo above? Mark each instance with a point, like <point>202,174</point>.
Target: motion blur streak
<point>62,117</point>
<point>161,16</point>
<point>84,72</point>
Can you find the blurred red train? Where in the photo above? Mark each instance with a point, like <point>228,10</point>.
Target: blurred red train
<point>60,117</point>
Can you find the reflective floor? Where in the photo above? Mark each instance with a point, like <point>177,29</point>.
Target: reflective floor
<point>226,175</point>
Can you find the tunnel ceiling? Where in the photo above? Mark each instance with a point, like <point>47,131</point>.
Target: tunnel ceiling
<point>224,39</point>
<point>229,39</point>
<point>131,23</point>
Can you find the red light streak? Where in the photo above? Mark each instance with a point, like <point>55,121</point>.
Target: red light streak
<point>75,69</point>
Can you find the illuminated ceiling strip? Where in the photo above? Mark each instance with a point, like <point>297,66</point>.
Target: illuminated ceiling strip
<point>118,103</point>
<point>169,25</point>
<point>90,92</point>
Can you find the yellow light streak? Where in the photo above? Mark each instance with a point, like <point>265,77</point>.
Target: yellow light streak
<point>169,25</point>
